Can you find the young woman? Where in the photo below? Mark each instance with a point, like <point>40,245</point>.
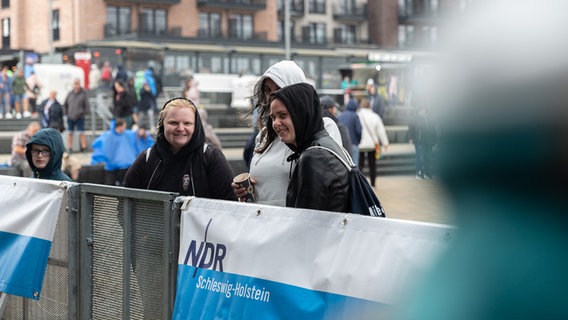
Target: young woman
<point>269,169</point>
<point>318,180</point>
<point>180,161</point>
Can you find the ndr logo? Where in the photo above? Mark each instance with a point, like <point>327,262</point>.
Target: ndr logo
<point>208,256</point>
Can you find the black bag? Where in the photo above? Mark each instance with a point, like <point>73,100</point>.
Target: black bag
<point>363,198</point>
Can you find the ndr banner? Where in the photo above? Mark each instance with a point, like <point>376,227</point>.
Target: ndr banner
<point>30,208</point>
<point>248,261</point>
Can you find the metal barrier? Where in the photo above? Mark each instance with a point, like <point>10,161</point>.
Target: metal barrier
<point>114,256</point>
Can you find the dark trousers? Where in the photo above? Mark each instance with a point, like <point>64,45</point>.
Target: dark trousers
<point>370,155</point>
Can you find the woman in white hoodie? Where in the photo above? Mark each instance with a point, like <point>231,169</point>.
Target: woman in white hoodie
<point>373,133</point>
<point>269,167</point>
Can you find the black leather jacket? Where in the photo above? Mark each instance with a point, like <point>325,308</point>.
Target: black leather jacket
<point>319,180</point>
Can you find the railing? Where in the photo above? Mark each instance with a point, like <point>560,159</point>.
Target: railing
<point>114,256</point>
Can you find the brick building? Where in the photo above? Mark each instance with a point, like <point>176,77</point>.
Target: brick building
<point>221,36</point>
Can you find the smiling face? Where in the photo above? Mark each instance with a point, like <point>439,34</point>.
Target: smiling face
<point>179,125</point>
<point>282,122</point>
<point>40,155</point>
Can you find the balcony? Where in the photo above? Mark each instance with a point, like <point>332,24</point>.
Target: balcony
<point>351,14</point>
<point>249,5</point>
<point>204,34</point>
<point>296,9</point>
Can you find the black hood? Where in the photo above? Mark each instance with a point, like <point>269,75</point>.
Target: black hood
<point>303,104</point>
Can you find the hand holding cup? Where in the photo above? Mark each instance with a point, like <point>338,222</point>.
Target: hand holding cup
<point>243,182</point>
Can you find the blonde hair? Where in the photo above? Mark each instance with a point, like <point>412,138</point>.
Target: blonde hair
<point>179,102</point>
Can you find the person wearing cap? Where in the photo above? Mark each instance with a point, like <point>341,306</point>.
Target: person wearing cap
<point>329,109</point>
<point>376,100</point>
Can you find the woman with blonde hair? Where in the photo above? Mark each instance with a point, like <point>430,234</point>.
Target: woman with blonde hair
<point>180,160</point>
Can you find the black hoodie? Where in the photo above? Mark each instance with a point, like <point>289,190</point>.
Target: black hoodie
<point>319,180</point>
<point>207,170</point>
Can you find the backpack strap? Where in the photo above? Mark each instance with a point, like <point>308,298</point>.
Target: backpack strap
<point>347,163</point>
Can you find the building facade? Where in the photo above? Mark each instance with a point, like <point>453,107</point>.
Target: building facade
<point>178,37</point>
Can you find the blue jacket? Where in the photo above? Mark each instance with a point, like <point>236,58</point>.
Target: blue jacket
<point>350,119</point>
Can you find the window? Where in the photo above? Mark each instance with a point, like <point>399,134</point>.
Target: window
<point>345,34</point>
<point>6,33</point>
<point>281,29</point>
<point>240,26</point>
<point>317,6</point>
<point>118,20</point>
<point>209,25</point>
<point>153,21</point>
<point>406,36</point>
<point>314,33</point>
<point>55,25</point>
<point>5,4</point>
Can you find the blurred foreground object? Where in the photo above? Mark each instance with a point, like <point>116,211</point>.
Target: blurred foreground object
<point>503,159</point>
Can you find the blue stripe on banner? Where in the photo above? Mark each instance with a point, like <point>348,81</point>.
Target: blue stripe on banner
<point>209,294</point>
<point>23,261</point>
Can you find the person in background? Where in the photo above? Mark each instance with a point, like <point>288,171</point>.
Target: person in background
<point>94,77</point>
<point>19,141</point>
<point>376,100</point>
<point>210,135</point>
<point>350,119</point>
<point>44,152</point>
<point>423,134</point>
<point>19,93</point>
<point>150,79</point>
<point>51,113</point>
<point>33,89</point>
<point>373,134</point>
<point>319,180</point>
<point>106,75</point>
<point>123,103</point>
<point>76,107</point>
<point>121,74</point>
<point>329,110</point>
<point>116,150</point>
<point>145,107</point>
<point>191,91</point>
<point>5,92</point>
<point>180,160</point>
<point>269,169</point>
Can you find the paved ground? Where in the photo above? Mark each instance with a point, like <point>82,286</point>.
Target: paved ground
<point>402,196</point>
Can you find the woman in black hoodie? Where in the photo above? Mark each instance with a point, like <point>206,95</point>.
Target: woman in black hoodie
<point>319,180</point>
<point>180,161</point>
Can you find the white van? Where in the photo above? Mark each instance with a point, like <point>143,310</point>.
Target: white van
<point>57,77</point>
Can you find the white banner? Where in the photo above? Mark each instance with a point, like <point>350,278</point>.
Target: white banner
<point>248,261</point>
<point>28,215</point>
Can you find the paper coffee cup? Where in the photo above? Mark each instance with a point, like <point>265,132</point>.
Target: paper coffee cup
<point>243,180</point>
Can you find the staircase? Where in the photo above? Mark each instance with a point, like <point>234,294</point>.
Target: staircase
<point>233,130</point>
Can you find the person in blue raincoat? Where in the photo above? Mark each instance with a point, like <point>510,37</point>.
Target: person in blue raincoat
<point>117,149</point>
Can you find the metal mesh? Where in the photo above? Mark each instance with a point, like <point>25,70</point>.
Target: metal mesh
<point>145,277</point>
<point>107,259</point>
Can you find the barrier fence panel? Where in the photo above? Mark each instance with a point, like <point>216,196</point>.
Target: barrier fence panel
<point>126,241</point>
<point>113,257</point>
